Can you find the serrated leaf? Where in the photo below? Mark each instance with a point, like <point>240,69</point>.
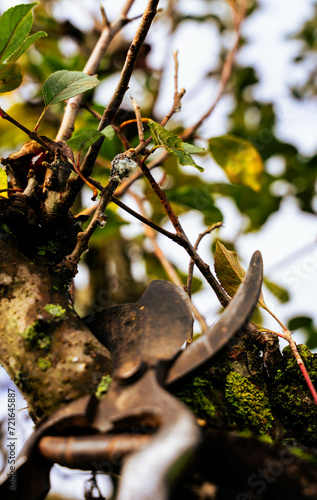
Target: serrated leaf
<point>240,160</point>
<point>83,141</point>
<point>25,45</point>
<point>173,144</point>
<point>229,271</point>
<point>15,25</point>
<point>64,84</point>
<point>3,183</point>
<point>280,293</point>
<point>10,77</point>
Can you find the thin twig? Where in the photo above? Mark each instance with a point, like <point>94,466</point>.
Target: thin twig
<point>117,97</point>
<point>132,55</point>
<point>98,220</point>
<point>192,263</point>
<point>144,220</point>
<point>183,240</point>
<point>238,16</point>
<point>286,335</point>
<point>105,20</point>
<point>107,34</point>
<point>167,266</point>
<point>91,210</point>
<point>138,117</point>
<point>32,135</point>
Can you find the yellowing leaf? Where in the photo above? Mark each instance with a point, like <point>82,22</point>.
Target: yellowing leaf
<point>3,183</point>
<point>229,271</point>
<point>239,159</point>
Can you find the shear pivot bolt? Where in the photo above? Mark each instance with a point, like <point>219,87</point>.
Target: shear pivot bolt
<point>130,369</point>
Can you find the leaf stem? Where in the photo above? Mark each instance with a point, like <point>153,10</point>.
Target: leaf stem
<point>40,119</point>
<point>286,335</point>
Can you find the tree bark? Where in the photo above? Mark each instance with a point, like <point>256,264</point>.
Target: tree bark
<point>46,348</point>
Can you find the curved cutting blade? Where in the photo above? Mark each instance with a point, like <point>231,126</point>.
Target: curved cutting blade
<point>236,316</point>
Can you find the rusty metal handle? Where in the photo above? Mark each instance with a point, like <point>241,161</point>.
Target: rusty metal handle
<point>80,452</point>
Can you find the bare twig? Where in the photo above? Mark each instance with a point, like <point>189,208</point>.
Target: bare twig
<point>91,210</point>
<point>107,34</point>
<point>183,240</point>
<point>138,117</point>
<point>191,263</point>
<point>239,11</point>
<point>286,335</point>
<point>98,220</point>
<point>117,97</point>
<point>32,135</point>
<point>177,95</point>
<point>105,20</point>
<point>167,266</point>
<point>144,219</point>
<point>132,55</point>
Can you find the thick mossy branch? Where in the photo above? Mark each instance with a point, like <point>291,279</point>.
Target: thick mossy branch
<point>247,389</point>
<point>45,347</point>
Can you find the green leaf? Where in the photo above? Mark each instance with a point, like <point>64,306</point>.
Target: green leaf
<point>240,160</point>
<point>64,84</point>
<point>15,25</point>
<point>197,198</point>
<point>229,271</point>
<point>190,148</point>
<point>280,293</point>
<point>10,77</point>
<point>306,324</point>
<point>108,132</point>
<point>25,45</point>
<point>83,141</point>
<point>173,144</point>
<point>3,182</point>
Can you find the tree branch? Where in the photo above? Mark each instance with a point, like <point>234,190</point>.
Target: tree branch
<point>239,11</point>
<point>132,55</point>
<point>167,266</point>
<point>45,347</point>
<point>107,34</point>
<point>117,97</point>
<point>184,241</point>
<point>191,264</point>
<point>32,135</point>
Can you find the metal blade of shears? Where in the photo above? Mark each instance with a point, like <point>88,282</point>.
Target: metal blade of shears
<point>233,319</point>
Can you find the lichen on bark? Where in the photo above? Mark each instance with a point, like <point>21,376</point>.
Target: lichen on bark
<point>43,341</point>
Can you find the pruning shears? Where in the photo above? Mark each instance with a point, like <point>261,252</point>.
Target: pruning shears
<point>138,425</point>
